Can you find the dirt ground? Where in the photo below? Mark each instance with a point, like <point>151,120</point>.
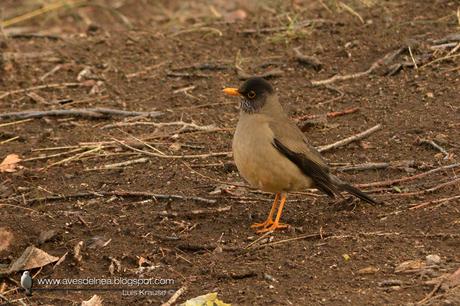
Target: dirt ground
<point>175,57</point>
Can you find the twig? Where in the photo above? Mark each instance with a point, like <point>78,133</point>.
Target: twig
<point>441,59</point>
<point>185,125</point>
<point>57,85</point>
<point>175,296</point>
<point>9,140</point>
<point>301,237</point>
<point>350,139</point>
<point>412,57</point>
<point>428,203</point>
<point>47,8</point>
<point>135,194</point>
<point>432,292</point>
<point>75,157</point>
<point>54,155</point>
<point>195,212</point>
<point>184,89</point>
<point>8,302</point>
<point>198,29</point>
<point>15,122</point>
<point>174,156</point>
<point>407,178</point>
<point>330,114</point>
<point>51,72</point>
<point>382,61</point>
<point>204,66</point>
<point>187,75</point>
<point>79,112</point>
<point>362,167</point>
<point>145,70</point>
<point>20,207</point>
<point>122,164</point>
<point>434,145</point>
<point>299,25</point>
<point>268,74</point>
<point>307,60</point>
<point>432,189</point>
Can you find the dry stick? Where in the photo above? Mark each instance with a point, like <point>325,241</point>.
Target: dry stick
<point>75,157</point>
<point>185,125</point>
<point>307,236</point>
<point>308,60</point>
<point>407,178</point>
<point>434,145</point>
<point>365,166</point>
<point>122,164</point>
<point>145,70</point>
<point>9,140</point>
<point>175,296</point>
<point>138,194</point>
<point>299,25</point>
<point>57,85</point>
<point>54,155</point>
<point>21,207</point>
<point>330,114</point>
<point>194,212</point>
<point>174,156</point>
<point>98,112</point>
<point>384,60</point>
<point>268,74</point>
<point>430,190</point>
<point>432,292</point>
<point>350,139</point>
<point>427,203</point>
<point>15,122</point>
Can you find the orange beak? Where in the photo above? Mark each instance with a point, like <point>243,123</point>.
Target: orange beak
<point>232,91</point>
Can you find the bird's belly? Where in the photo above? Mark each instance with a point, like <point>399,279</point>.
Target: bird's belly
<point>260,163</point>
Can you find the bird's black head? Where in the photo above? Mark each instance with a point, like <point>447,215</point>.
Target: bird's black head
<point>254,93</point>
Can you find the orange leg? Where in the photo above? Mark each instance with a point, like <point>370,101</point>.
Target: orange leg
<point>275,225</point>
<point>269,220</point>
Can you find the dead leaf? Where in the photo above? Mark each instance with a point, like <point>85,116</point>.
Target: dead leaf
<point>115,265</point>
<point>5,238</point>
<point>10,163</point>
<point>207,299</point>
<point>95,300</point>
<point>31,258</point>
<point>410,266</point>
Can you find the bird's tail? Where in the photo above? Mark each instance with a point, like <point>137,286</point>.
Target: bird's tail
<point>354,191</point>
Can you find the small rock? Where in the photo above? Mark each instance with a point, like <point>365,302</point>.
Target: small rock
<point>433,259</point>
<point>269,277</point>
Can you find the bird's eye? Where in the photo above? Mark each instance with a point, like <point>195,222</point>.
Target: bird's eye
<point>251,94</point>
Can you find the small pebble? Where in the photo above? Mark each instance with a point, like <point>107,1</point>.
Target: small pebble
<point>433,259</point>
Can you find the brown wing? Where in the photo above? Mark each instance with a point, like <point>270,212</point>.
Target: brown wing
<point>291,142</point>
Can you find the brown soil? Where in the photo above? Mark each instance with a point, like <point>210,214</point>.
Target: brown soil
<point>209,252</point>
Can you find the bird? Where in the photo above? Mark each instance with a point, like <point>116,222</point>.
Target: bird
<point>273,154</point>
<point>26,282</point>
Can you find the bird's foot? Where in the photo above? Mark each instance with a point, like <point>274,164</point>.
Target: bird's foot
<point>264,224</point>
<point>269,226</point>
